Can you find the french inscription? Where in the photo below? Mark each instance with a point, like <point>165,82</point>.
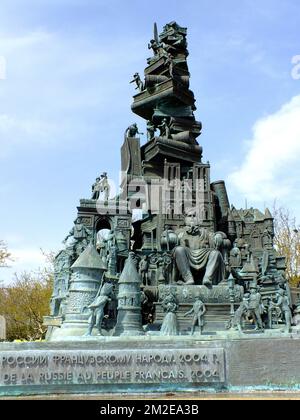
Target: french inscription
<point>203,366</point>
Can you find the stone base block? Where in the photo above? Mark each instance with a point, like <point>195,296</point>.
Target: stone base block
<point>152,364</point>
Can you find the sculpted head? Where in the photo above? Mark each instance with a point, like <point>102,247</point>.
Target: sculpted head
<point>191,218</point>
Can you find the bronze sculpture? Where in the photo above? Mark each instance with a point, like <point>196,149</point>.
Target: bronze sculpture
<point>185,233</point>
<point>97,308</point>
<point>256,307</point>
<point>169,326</point>
<point>198,310</point>
<point>138,81</point>
<point>283,304</point>
<point>199,250</point>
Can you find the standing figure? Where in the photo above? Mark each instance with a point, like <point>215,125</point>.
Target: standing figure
<point>96,189</point>
<point>170,63</point>
<point>105,187</point>
<point>102,248</point>
<point>240,314</point>
<point>112,253</point>
<point>235,256</point>
<point>165,129</point>
<point>199,311</point>
<point>111,239</point>
<point>296,318</point>
<point>284,305</point>
<point>256,307</point>
<point>132,131</point>
<point>97,308</point>
<point>80,236</point>
<point>150,130</point>
<point>139,84</point>
<point>143,270</point>
<point>170,325</point>
<point>267,239</point>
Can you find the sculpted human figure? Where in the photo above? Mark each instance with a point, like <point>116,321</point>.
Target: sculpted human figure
<point>143,270</point>
<point>154,46</point>
<point>96,189</point>
<point>132,131</point>
<point>235,256</point>
<point>170,324</point>
<point>256,307</point>
<point>105,187</point>
<point>102,249</point>
<point>101,186</point>
<point>241,313</point>
<point>112,252</point>
<point>170,63</point>
<point>80,236</point>
<point>267,239</point>
<point>139,84</point>
<point>165,129</point>
<point>150,130</point>
<point>97,308</point>
<point>198,310</point>
<point>199,252</point>
<point>296,318</point>
<point>284,305</point>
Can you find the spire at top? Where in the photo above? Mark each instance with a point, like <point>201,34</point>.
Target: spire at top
<point>129,273</point>
<point>89,258</point>
<point>164,98</point>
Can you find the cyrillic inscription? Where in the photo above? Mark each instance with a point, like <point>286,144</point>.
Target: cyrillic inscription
<point>203,366</point>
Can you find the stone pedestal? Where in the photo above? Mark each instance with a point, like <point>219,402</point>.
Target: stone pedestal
<point>152,364</point>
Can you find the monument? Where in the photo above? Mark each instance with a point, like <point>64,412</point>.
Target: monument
<point>189,295</point>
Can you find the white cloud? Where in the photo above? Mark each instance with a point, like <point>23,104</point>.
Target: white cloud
<point>28,256</point>
<point>18,131</point>
<point>271,167</point>
<point>54,85</point>
<point>24,259</point>
<point>11,44</point>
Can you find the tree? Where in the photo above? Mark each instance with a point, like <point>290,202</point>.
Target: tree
<point>287,242</point>
<point>24,303</point>
<point>4,254</point>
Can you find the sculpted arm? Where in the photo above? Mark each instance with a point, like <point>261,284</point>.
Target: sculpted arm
<point>71,233</point>
<point>189,312</point>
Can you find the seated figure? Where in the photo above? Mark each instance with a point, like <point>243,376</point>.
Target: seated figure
<point>200,252</point>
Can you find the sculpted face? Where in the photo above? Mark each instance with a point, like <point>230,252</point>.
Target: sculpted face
<point>191,219</point>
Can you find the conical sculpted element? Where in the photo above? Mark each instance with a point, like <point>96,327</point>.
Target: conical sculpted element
<point>129,321</point>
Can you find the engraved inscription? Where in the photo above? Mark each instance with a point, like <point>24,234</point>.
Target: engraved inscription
<point>199,366</point>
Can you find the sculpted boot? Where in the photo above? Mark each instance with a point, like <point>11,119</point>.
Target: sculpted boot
<point>188,279</point>
<point>207,283</point>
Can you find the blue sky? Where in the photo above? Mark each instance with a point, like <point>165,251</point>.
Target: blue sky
<point>65,103</point>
